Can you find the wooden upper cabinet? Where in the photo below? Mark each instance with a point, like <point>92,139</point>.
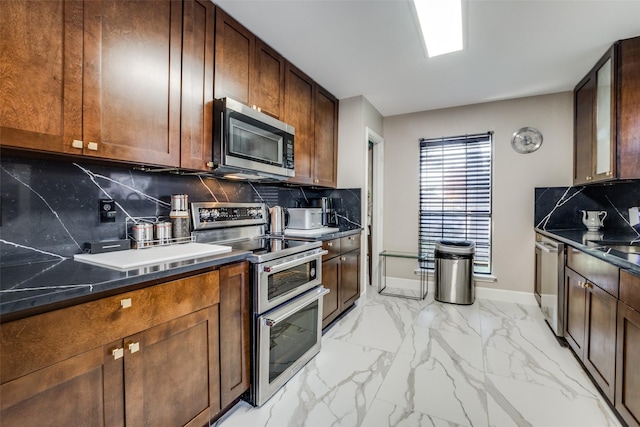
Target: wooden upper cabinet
<point>247,69</point>
<point>197,84</point>
<point>584,98</point>
<point>326,138</point>
<point>606,120</point>
<point>299,113</point>
<point>234,57</point>
<point>268,87</point>
<point>313,112</point>
<point>41,83</point>
<point>131,94</point>
<point>629,109</point>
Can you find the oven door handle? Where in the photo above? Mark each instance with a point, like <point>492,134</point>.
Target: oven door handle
<point>301,303</point>
<point>289,264</point>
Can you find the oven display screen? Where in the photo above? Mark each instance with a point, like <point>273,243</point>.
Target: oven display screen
<point>285,281</point>
<point>291,338</point>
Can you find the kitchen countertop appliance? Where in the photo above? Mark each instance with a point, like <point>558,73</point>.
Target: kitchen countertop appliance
<point>549,281</point>
<point>286,288</point>
<point>248,144</point>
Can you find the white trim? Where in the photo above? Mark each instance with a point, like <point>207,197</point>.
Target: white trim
<point>525,298</point>
<point>378,179</point>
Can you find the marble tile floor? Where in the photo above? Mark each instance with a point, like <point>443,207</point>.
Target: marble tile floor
<point>398,362</point>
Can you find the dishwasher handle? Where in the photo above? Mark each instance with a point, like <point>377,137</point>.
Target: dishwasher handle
<point>547,247</point>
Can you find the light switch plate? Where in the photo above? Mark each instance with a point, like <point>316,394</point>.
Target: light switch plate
<point>634,218</point>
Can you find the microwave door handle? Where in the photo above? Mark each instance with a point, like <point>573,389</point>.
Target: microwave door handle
<point>271,322</point>
<point>289,264</point>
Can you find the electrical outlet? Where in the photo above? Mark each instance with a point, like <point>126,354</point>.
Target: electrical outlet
<point>107,210</point>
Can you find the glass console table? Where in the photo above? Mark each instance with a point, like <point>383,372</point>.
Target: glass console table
<point>407,260</point>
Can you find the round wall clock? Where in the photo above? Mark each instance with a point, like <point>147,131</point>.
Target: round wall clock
<point>526,140</point>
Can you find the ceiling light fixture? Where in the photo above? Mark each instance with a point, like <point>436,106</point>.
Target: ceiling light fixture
<point>441,25</point>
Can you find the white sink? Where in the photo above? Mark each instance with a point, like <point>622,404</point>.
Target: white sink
<point>134,258</point>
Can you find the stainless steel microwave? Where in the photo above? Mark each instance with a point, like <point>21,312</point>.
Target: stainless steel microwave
<point>248,144</point>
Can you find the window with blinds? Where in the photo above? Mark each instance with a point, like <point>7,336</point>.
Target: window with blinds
<point>455,195</point>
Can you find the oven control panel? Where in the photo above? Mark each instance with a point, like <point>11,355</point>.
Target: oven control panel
<point>206,215</point>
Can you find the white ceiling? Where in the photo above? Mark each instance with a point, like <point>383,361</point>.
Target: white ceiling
<point>513,48</point>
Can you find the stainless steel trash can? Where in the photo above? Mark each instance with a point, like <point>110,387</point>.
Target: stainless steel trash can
<point>454,271</point>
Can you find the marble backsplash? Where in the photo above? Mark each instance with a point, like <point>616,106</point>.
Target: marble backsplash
<point>50,209</point>
<point>559,208</point>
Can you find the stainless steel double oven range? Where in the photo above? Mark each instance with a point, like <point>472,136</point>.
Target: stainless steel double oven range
<point>286,289</point>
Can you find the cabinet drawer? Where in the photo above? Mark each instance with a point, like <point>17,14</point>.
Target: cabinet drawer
<point>63,333</point>
<point>599,272</point>
<point>349,243</point>
<point>333,247</point>
<point>630,289</point>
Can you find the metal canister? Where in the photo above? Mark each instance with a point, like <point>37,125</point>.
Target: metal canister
<point>163,232</point>
<point>142,235</point>
<point>180,221</point>
<point>179,202</point>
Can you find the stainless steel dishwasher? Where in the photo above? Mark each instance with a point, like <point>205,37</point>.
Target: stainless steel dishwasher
<point>549,281</point>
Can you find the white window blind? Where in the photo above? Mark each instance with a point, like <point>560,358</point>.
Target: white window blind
<point>455,195</point>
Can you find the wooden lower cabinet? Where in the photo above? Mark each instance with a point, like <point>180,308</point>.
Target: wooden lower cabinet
<point>165,373</point>
<point>235,344</point>
<point>349,278</point>
<point>628,365</point>
<point>575,297</point>
<point>591,329</point>
<point>83,390</point>
<point>170,372</point>
<point>341,275</point>
<point>331,280</point>
<point>600,348</point>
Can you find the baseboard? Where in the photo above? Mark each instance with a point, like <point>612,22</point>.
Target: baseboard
<point>517,297</point>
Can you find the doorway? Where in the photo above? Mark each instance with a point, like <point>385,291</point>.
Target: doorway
<point>374,197</point>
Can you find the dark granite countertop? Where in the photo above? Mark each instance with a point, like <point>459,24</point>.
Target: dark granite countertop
<point>39,286</point>
<point>584,241</point>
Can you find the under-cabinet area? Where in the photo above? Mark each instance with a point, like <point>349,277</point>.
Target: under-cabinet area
<point>160,355</point>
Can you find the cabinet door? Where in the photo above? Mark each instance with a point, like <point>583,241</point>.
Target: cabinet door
<point>131,93</point>
<point>299,113</point>
<point>326,139</point>
<point>268,84</point>
<point>605,142</point>
<point>235,317</point>
<point>83,390</point>
<point>576,311</point>
<point>600,348</point>
<point>628,365</point>
<point>349,278</point>
<point>584,99</point>
<point>171,372</point>
<point>234,53</point>
<point>628,104</point>
<point>197,84</point>
<point>331,280</point>
<point>41,84</point>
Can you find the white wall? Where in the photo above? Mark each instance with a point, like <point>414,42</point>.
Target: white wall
<point>514,175</point>
<point>355,115</point>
